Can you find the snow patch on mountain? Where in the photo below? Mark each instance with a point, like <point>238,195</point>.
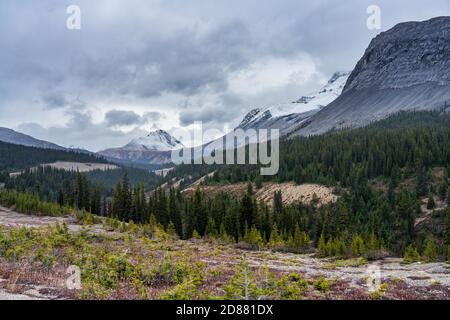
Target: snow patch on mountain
<point>158,140</point>
<point>154,148</point>
<point>313,101</point>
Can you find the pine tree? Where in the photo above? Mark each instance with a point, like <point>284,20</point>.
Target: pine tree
<point>171,230</point>
<point>300,241</point>
<point>431,204</point>
<point>321,246</point>
<point>258,182</point>
<point>61,198</point>
<point>430,252</point>
<point>174,211</point>
<point>96,200</point>
<point>422,188</point>
<point>211,228</point>
<point>253,238</point>
<point>247,211</point>
<point>443,188</point>
<point>357,246</point>
<point>200,213</point>
<point>278,203</point>
<point>276,239</point>
<point>122,200</point>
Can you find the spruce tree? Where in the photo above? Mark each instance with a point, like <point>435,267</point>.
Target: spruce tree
<point>357,247</point>
<point>431,204</point>
<point>321,246</point>
<point>430,252</point>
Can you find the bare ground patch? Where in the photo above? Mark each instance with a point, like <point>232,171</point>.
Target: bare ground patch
<point>291,192</point>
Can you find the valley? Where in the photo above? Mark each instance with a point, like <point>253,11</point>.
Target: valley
<point>358,208</point>
<point>298,275</point>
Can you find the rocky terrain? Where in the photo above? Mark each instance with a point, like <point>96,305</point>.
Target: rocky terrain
<point>325,278</point>
<point>291,192</point>
<point>404,68</point>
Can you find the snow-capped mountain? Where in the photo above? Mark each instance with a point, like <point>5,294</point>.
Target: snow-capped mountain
<point>158,140</point>
<point>404,68</point>
<point>287,117</point>
<point>154,148</point>
<point>284,116</point>
<point>14,137</point>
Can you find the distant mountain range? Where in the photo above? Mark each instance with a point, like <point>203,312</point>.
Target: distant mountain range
<point>154,148</point>
<point>404,68</point>
<point>11,136</point>
<point>14,137</point>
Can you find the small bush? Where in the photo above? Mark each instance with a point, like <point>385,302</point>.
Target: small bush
<point>411,255</point>
<point>322,284</point>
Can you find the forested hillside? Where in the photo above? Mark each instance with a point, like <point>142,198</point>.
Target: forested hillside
<point>16,157</point>
<point>398,155</point>
<point>63,186</point>
<point>412,141</point>
<point>391,179</point>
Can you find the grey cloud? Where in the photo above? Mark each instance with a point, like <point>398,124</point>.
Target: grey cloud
<point>153,116</point>
<point>54,100</point>
<point>121,118</point>
<point>145,50</point>
<point>81,132</point>
<point>207,116</point>
<point>127,118</point>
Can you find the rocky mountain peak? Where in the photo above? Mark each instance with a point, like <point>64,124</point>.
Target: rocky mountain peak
<point>411,53</point>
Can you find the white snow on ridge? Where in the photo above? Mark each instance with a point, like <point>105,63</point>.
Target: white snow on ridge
<point>158,140</point>
<point>313,101</point>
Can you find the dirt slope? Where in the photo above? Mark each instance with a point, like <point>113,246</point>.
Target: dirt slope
<point>290,191</point>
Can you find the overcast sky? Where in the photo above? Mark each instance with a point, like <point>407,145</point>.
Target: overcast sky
<point>137,65</point>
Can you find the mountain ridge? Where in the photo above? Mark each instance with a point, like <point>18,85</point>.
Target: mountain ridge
<point>404,68</point>
<point>154,148</point>
<point>14,137</point>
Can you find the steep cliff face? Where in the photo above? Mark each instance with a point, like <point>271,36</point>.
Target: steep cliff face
<point>405,68</point>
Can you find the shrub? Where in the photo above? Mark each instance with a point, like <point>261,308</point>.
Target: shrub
<point>411,255</point>
<point>254,239</point>
<point>381,292</point>
<point>292,286</point>
<point>186,290</point>
<point>322,284</point>
<point>242,285</point>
